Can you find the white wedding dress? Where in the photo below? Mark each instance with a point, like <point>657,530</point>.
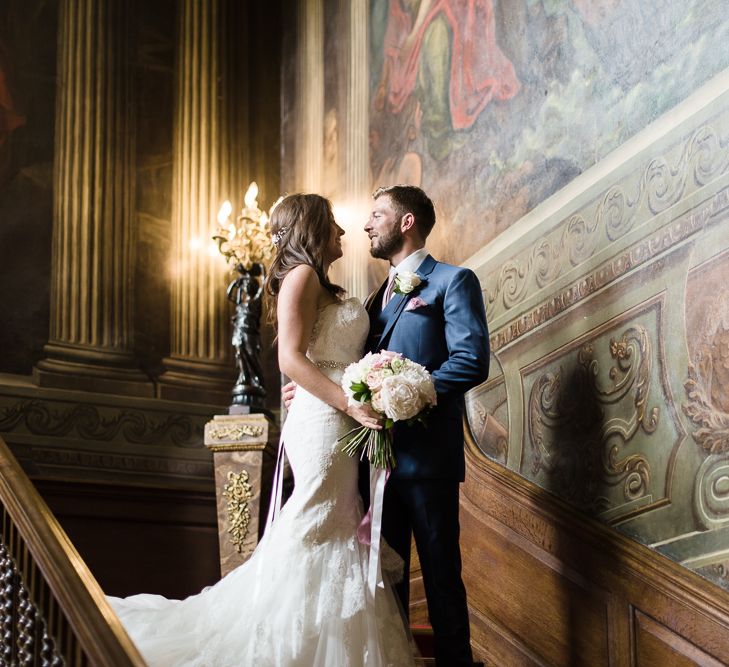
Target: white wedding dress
<point>301,599</point>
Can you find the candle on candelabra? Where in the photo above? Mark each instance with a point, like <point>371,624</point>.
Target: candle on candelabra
<point>246,244</point>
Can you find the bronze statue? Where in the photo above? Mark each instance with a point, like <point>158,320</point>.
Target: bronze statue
<point>246,292</point>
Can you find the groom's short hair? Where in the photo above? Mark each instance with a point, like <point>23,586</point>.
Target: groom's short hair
<point>410,199</point>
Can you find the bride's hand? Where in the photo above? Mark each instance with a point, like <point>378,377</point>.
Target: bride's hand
<point>365,415</point>
<point>288,391</point>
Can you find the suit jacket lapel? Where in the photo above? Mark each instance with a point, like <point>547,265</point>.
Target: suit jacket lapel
<point>373,297</point>
<point>398,301</point>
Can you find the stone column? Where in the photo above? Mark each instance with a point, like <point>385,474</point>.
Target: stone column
<point>351,191</point>
<point>356,168</point>
<point>310,95</point>
<point>200,367</point>
<point>91,336</point>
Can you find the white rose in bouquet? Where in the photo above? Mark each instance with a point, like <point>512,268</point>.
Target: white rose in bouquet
<point>419,376</point>
<point>400,398</point>
<point>397,388</point>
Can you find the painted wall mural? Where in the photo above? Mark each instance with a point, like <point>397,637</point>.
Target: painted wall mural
<point>608,316</point>
<point>610,333</point>
<point>27,92</point>
<point>493,106</point>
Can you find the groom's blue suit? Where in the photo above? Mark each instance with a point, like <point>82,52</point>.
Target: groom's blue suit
<point>441,324</point>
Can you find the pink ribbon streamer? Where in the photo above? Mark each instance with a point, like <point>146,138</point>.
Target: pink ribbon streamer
<point>274,507</point>
<point>369,530</point>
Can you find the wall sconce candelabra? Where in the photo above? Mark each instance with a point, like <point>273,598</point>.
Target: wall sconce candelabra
<point>245,242</point>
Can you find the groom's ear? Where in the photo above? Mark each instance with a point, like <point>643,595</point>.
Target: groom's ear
<point>407,222</point>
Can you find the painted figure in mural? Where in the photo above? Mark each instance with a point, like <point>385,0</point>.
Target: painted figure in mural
<point>10,118</point>
<point>448,50</point>
<point>302,597</point>
<point>440,324</point>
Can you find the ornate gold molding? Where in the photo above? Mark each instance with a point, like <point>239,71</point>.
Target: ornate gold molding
<point>238,493</point>
<point>236,432</point>
<point>229,433</point>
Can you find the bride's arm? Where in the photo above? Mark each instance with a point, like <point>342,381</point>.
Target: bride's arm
<point>298,305</point>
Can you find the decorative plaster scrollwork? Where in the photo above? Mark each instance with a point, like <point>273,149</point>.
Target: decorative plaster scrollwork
<point>707,155</point>
<point>711,489</point>
<point>617,214</point>
<point>645,251</point>
<point>86,420</point>
<point>711,493</point>
<point>665,181</point>
<point>576,429</point>
<point>490,435</point>
<point>238,492</point>
<point>580,238</point>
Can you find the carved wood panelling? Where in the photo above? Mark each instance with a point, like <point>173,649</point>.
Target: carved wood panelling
<point>656,645</point>
<point>166,539</point>
<point>547,586</point>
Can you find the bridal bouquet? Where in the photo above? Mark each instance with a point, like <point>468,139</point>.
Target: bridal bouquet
<point>395,387</point>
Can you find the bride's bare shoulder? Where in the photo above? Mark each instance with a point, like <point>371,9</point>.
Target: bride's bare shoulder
<point>301,278</point>
<point>302,285</point>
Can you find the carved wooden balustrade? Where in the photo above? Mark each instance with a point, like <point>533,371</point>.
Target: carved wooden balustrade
<point>52,610</point>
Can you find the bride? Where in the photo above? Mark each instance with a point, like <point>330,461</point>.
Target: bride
<point>301,599</point>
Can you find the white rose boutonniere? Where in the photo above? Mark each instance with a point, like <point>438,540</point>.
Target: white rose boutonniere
<point>406,282</point>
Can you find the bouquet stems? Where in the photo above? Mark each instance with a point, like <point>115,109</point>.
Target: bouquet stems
<point>375,444</point>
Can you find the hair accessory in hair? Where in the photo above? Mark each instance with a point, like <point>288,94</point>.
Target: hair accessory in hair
<point>276,238</point>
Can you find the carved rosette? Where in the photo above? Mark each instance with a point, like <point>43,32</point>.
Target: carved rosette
<point>238,493</point>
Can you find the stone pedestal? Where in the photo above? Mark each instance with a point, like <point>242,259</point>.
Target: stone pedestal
<point>239,444</point>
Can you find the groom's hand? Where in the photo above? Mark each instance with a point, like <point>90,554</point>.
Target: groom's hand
<point>288,391</point>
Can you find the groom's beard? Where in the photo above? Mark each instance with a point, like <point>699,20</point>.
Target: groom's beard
<point>386,245</point>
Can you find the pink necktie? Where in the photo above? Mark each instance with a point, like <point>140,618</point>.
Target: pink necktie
<point>389,289</point>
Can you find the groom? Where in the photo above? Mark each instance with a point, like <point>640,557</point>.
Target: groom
<point>437,320</point>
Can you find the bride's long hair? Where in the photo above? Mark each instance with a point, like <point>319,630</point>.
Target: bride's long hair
<point>301,226</point>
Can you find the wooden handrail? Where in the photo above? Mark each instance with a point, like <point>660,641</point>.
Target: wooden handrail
<point>51,607</point>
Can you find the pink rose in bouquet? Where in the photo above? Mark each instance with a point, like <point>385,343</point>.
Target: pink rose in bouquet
<point>398,389</point>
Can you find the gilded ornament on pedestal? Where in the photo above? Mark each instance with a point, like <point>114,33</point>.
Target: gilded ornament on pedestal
<point>235,431</point>
<point>238,492</point>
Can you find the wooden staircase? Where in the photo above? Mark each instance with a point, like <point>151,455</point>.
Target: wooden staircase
<point>52,610</point>
<point>423,636</point>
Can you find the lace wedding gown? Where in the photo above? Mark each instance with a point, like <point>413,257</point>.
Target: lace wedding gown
<point>301,598</point>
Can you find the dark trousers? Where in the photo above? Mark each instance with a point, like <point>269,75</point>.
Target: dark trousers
<point>428,509</point>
